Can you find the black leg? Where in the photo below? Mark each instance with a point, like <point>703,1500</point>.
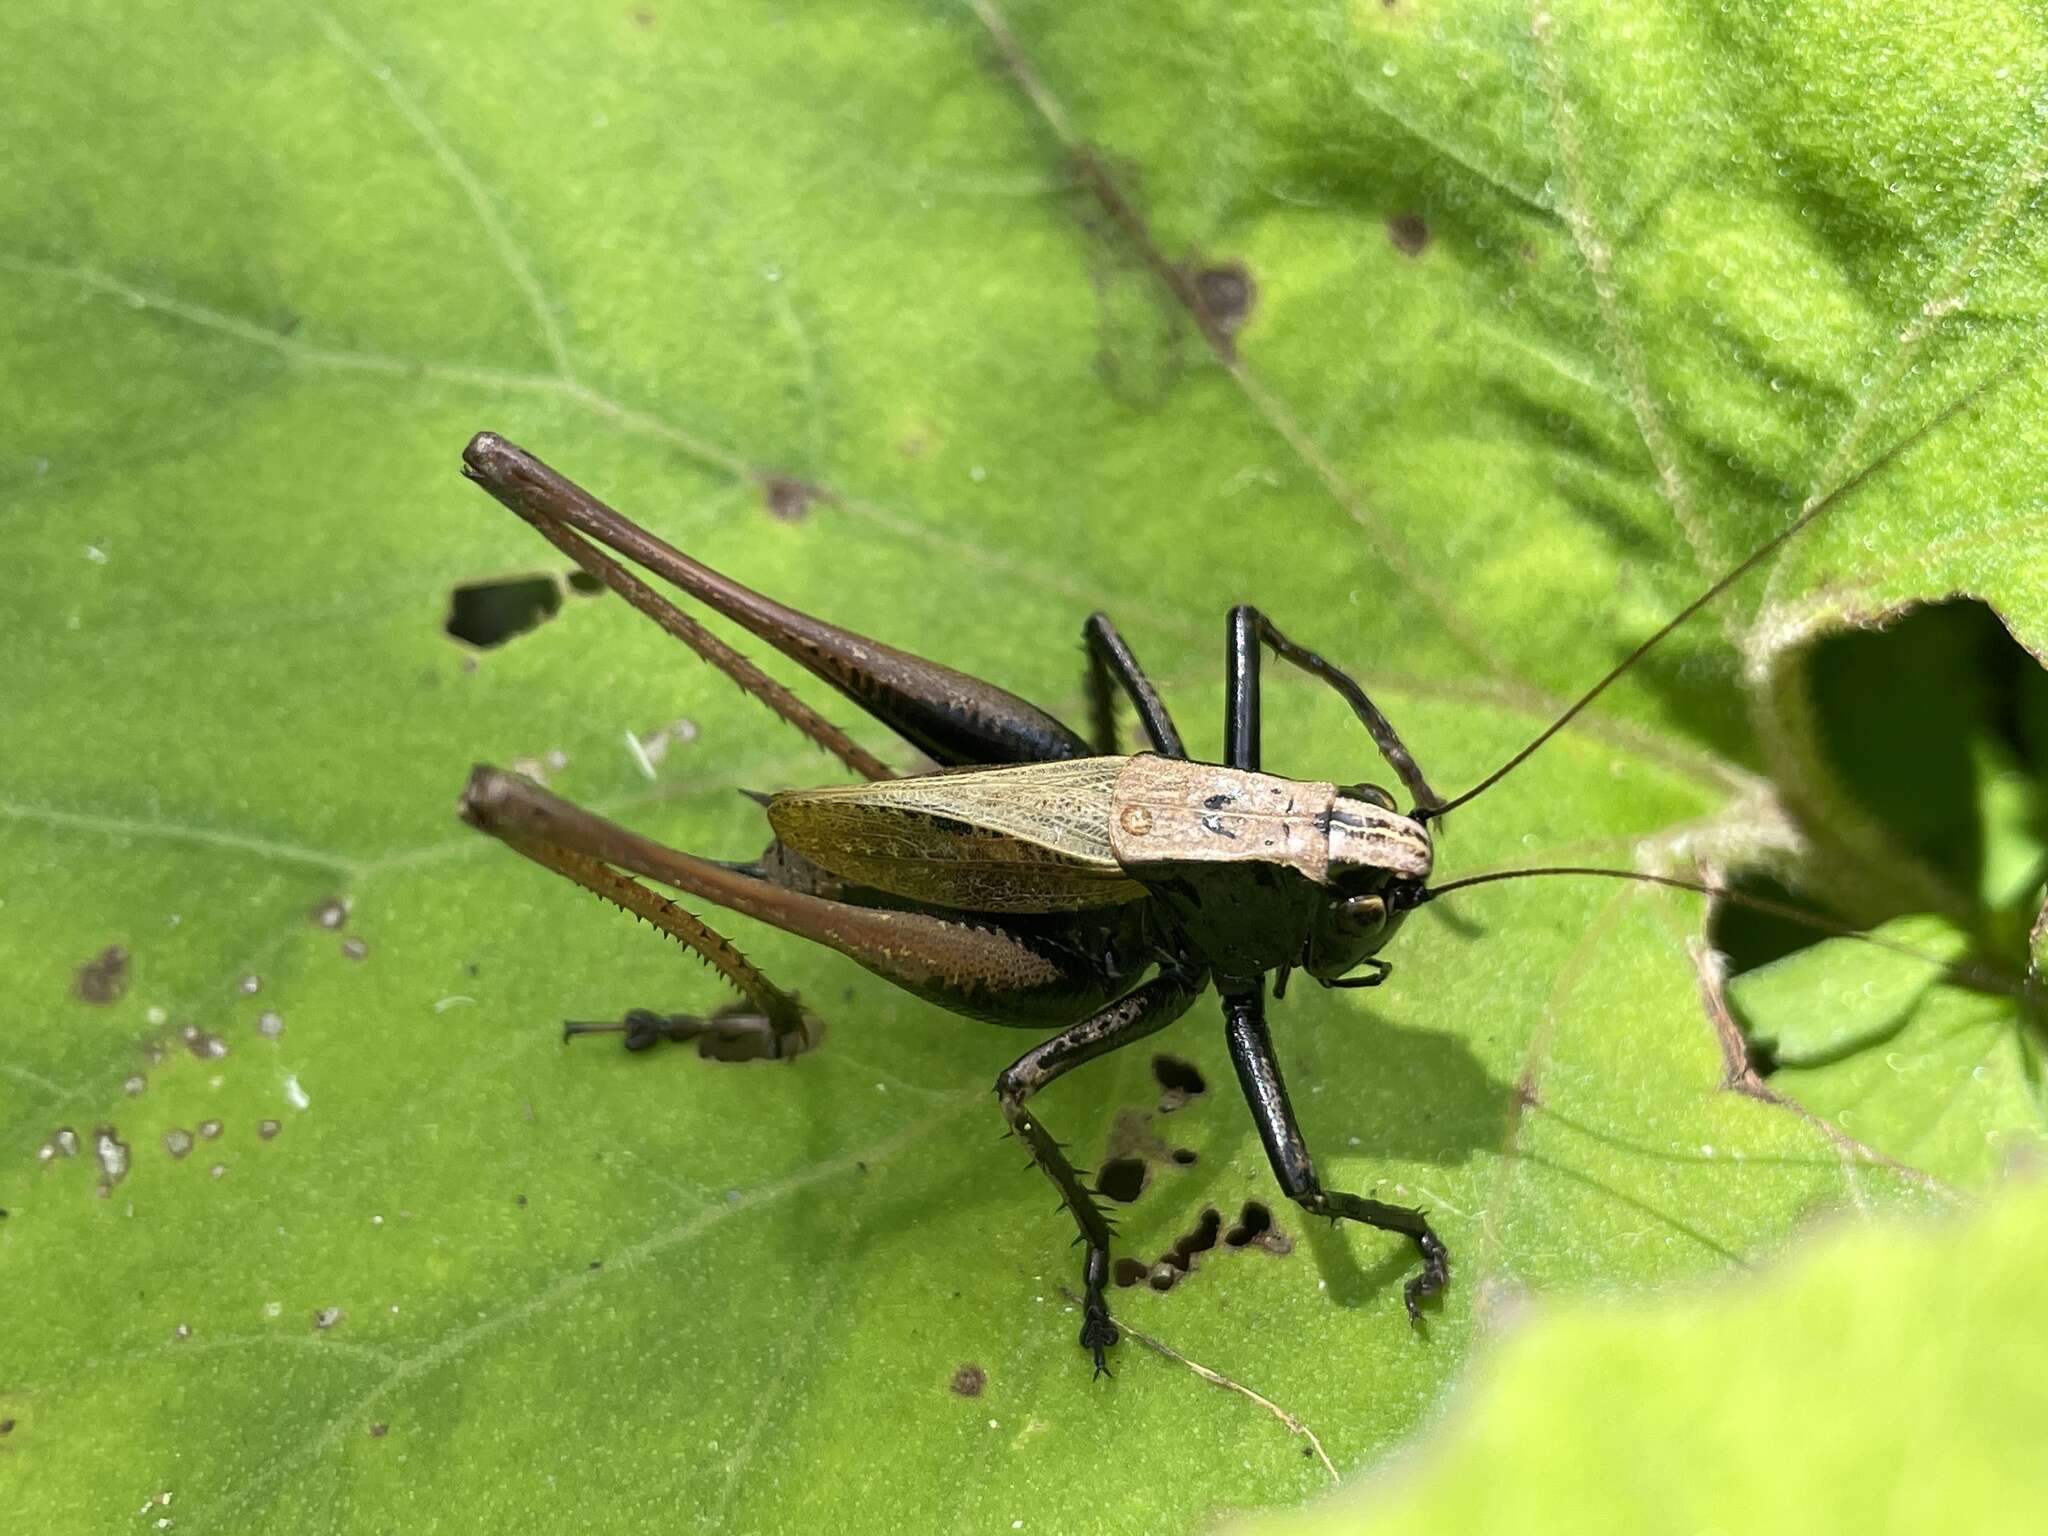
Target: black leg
<point>1248,627</point>
<point>1109,659</point>
<point>1141,1012</point>
<point>1241,689</point>
<point>1258,1073</point>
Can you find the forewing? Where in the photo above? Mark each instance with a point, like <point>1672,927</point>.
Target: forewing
<point>1028,838</point>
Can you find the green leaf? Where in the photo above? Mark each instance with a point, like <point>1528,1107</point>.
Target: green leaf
<point>1469,343</point>
<point>1876,1371</point>
<point>1936,1074</point>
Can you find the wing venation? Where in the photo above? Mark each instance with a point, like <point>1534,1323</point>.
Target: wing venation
<point>1032,837</point>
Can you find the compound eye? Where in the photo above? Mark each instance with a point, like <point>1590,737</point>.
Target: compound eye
<point>1362,914</point>
<point>1372,794</point>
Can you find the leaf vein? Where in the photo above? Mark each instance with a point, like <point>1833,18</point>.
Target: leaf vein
<point>510,253</point>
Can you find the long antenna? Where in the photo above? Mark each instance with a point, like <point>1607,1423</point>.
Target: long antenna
<point>1970,975</point>
<point>1814,509</point>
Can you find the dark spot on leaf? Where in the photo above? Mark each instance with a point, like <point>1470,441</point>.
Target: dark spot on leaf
<point>331,913</point>
<point>1227,293</point>
<point>6,1426</point>
<point>1409,232</point>
<point>969,1381</point>
<point>1179,1082</point>
<point>104,977</point>
<point>379,1431</point>
<point>1121,1178</point>
<point>582,583</point>
<point>788,498</point>
<point>520,1201</point>
<point>595,1264</point>
<point>488,613</point>
<point>201,1044</point>
<point>642,16</point>
<point>1185,1156</point>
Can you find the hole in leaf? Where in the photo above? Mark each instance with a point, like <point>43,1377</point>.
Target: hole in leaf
<point>1931,740</point>
<point>1253,1223</point>
<point>1121,1178</point>
<point>1913,760</point>
<point>1179,1082</point>
<point>1185,1156</point>
<point>1255,1229</point>
<point>488,613</point>
<point>1128,1272</point>
<point>1198,1241</point>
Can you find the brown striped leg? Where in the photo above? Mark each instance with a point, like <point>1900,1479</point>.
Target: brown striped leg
<point>952,717</point>
<point>767,1005</point>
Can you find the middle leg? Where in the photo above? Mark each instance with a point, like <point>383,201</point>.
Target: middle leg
<point>1248,628</point>
<point>1110,661</point>
<point>1142,1012</point>
<point>1258,1073</point>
